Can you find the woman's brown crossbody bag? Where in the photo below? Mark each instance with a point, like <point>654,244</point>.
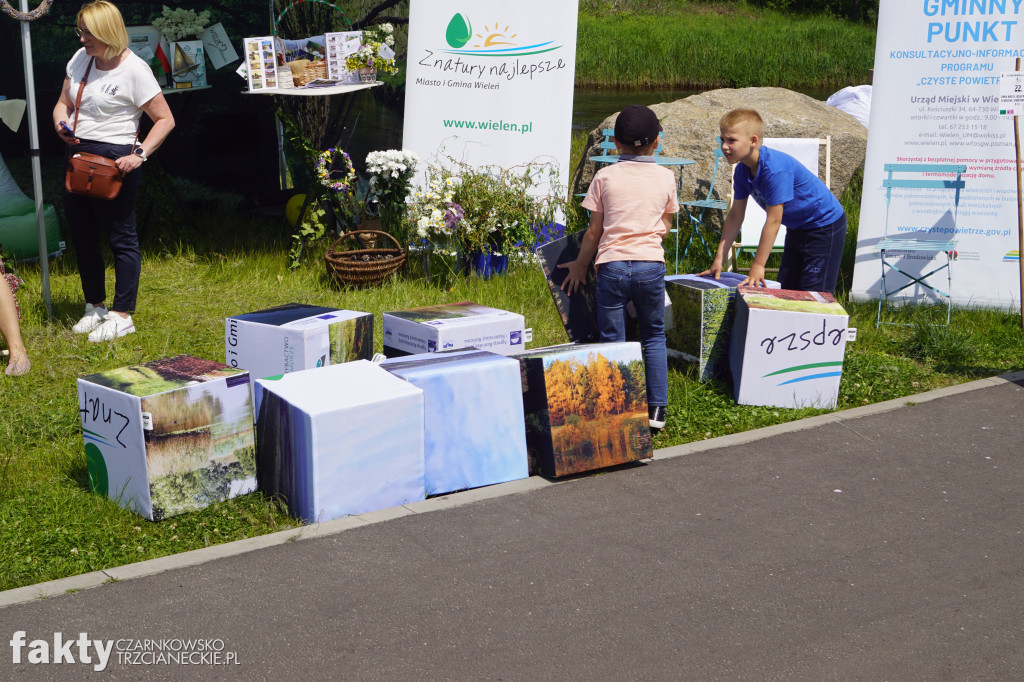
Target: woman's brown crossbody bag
<point>92,175</point>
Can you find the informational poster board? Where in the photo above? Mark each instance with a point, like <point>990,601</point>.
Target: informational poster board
<point>935,99</point>
<point>144,41</point>
<point>340,46</point>
<point>218,46</point>
<point>261,57</point>
<point>490,83</point>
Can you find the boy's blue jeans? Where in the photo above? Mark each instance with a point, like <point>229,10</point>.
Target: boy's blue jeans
<point>642,282</point>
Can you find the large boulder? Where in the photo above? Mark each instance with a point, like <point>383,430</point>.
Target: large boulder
<point>691,130</point>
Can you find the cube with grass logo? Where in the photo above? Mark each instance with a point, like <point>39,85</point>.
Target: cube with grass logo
<point>346,439</point>
<point>787,348</point>
<point>168,436</point>
<point>702,312</point>
<point>452,326</point>
<point>475,433</point>
<point>585,406</point>
<point>292,337</point>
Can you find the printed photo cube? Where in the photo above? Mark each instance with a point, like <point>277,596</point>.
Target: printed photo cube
<point>168,436</point>
<point>452,326</point>
<point>787,348</point>
<point>702,312</point>
<point>475,431</point>
<point>585,406</point>
<point>342,440</point>
<point>293,337</point>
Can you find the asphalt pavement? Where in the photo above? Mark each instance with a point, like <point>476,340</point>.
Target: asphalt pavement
<point>882,543</point>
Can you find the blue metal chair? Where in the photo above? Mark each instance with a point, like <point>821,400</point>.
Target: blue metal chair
<point>697,212</point>
<point>890,244</point>
<point>607,147</point>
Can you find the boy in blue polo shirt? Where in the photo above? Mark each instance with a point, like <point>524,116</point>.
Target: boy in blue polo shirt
<point>788,193</point>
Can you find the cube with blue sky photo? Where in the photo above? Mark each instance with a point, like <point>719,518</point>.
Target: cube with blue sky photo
<point>475,433</point>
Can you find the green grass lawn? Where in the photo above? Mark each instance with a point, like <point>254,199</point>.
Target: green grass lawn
<point>232,262</point>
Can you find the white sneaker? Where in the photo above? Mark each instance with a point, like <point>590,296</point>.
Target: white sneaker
<point>93,318</point>
<point>114,326</point>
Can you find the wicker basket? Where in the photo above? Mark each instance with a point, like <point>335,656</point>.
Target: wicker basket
<point>304,71</point>
<point>367,264</point>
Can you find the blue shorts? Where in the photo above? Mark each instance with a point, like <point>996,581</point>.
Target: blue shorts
<point>811,258</point>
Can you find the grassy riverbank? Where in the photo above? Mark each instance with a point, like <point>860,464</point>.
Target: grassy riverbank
<point>700,46</point>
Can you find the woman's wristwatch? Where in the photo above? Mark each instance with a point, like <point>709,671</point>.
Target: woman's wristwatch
<point>140,152</point>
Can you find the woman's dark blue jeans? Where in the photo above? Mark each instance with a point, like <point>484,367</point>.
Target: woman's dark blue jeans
<point>643,283</point>
<point>89,219</point>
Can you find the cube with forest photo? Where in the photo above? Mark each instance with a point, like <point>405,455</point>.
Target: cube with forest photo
<point>585,406</point>
<point>702,313</point>
<point>168,436</point>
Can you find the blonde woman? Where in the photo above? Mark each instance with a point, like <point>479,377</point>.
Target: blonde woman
<point>118,88</point>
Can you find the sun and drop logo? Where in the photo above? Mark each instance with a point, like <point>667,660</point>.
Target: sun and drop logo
<point>1012,256</point>
<point>491,41</point>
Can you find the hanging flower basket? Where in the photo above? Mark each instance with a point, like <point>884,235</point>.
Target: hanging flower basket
<point>362,266</point>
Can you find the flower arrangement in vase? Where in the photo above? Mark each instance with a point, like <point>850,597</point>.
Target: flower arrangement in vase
<point>484,210</point>
<point>390,174</point>
<point>375,54</point>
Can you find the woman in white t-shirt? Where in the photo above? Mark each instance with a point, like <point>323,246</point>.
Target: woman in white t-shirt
<point>118,88</point>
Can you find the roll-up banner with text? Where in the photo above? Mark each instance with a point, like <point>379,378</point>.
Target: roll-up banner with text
<point>935,100</point>
<point>490,83</point>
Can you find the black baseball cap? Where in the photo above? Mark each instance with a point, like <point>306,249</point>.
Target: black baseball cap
<point>637,126</point>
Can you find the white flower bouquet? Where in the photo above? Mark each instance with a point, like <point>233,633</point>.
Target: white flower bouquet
<point>375,50</point>
<point>176,24</point>
<point>390,173</point>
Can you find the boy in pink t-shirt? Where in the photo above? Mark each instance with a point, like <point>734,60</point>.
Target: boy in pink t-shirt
<point>631,204</point>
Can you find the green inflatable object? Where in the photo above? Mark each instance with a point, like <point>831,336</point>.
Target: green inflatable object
<point>459,31</point>
<point>97,468</point>
<point>19,234</point>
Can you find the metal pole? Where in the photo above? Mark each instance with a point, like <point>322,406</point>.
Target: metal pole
<point>37,176</point>
<point>1020,211</point>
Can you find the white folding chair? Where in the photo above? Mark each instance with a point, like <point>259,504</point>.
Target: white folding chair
<point>807,151</point>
